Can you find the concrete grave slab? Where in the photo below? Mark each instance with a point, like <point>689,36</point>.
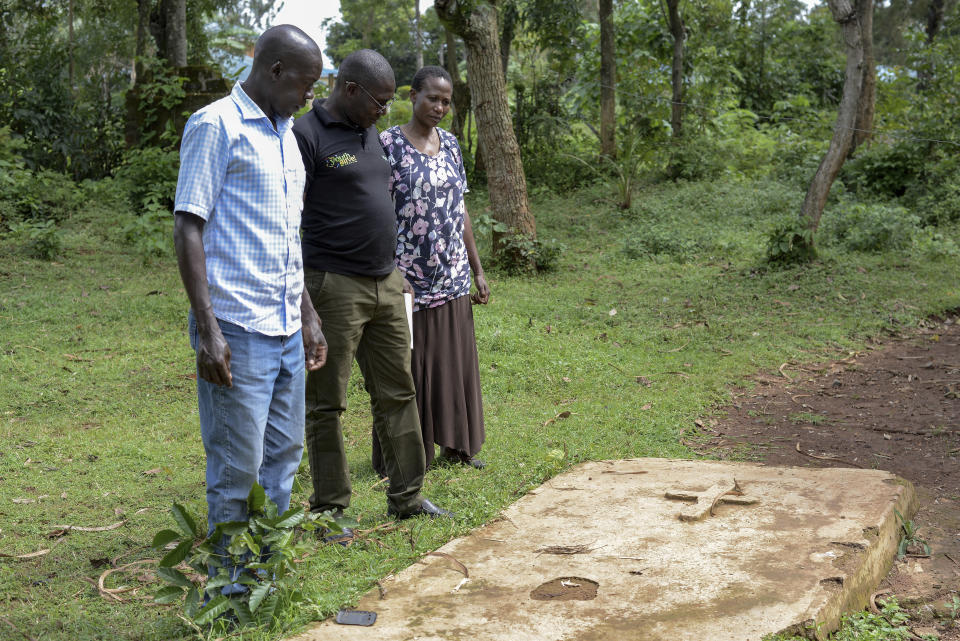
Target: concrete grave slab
<point>601,553</point>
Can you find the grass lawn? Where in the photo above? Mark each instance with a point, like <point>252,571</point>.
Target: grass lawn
<point>650,317</point>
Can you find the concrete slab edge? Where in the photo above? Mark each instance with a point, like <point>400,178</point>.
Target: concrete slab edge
<point>877,558</point>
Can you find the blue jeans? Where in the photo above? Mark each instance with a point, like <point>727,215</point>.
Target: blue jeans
<point>253,431</point>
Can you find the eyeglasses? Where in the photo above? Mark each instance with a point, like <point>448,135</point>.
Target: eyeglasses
<point>381,108</point>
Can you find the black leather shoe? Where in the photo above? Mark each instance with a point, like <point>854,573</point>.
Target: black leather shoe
<point>344,537</point>
<point>426,508</point>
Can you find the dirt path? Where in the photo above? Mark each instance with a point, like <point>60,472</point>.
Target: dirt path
<point>895,407</point>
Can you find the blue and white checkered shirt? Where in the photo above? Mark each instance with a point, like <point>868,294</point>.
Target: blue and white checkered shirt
<point>246,181</point>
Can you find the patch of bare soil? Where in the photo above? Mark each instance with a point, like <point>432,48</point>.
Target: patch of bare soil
<point>894,407</point>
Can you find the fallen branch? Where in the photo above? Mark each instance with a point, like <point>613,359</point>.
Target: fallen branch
<point>676,349</point>
<point>780,369</point>
<point>829,458</point>
<point>31,555</point>
<point>111,593</point>
<point>63,529</point>
<point>873,600</point>
<point>24,634</point>
<point>735,490</point>
<point>460,566</point>
<point>564,549</point>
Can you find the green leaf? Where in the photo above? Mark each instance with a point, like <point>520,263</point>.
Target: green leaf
<point>217,606</point>
<point>222,579</point>
<point>192,603</point>
<point>176,555</point>
<point>291,518</point>
<point>187,525</point>
<point>176,577</point>
<point>168,594</point>
<point>258,594</point>
<point>231,528</point>
<point>268,607</point>
<point>163,537</point>
<point>244,616</point>
<point>250,543</point>
<point>256,499</point>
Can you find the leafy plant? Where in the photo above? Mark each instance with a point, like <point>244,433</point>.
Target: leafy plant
<point>256,556</point>
<point>41,238</point>
<point>889,625</point>
<point>626,167</point>
<point>909,537</point>
<point>150,178</point>
<point>519,254</point>
<point>873,227</point>
<point>659,239</point>
<point>790,243</point>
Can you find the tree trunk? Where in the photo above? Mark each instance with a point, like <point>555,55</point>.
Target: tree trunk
<point>934,19</point>
<point>608,81</point>
<point>143,31</point>
<point>416,23</point>
<point>70,46</point>
<point>477,25</point>
<point>676,75</point>
<point>461,92</point>
<point>507,31</point>
<point>868,91</point>
<point>176,11</point>
<point>845,13</point>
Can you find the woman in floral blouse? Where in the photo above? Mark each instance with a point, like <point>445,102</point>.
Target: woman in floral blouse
<point>436,252</point>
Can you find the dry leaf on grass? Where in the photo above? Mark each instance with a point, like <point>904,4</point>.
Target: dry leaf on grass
<point>31,555</point>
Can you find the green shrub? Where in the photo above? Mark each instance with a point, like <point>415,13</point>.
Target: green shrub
<point>790,243</point>
<point>883,171</point>
<point>519,254</point>
<point>267,546</point>
<point>149,176</point>
<point>873,227</point>
<point>41,239</point>
<point>931,243</point>
<point>660,240</point>
<point>37,196</point>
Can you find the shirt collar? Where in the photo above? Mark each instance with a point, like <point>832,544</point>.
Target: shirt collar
<point>250,110</point>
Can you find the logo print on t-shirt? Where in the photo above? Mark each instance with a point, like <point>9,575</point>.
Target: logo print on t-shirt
<point>340,160</point>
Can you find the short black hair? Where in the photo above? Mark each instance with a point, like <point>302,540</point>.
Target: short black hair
<point>430,71</point>
<point>365,67</point>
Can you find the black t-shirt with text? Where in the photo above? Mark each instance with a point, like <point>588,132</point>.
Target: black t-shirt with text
<point>349,224</point>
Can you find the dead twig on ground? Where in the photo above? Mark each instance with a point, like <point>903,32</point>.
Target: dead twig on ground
<point>565,549</point>
<point>735,490</point>
<point>31,555</point>
<point>460,566</point>
<point>873,600</point>
<point>829,458</point>
<point>111,593</point>
<point>22,633</point>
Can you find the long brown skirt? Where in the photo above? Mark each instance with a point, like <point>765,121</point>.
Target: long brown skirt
<point>446,372</point>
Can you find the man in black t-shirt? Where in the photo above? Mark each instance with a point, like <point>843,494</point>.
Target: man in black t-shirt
<point>349,241</point>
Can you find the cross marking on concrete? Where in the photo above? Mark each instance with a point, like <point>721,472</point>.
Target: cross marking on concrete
<point>704,502</point>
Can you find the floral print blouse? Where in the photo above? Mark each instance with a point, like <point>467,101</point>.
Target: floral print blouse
<point>428,197</point>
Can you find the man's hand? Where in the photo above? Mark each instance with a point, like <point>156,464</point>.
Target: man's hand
<point>213,357</point>
<point>407,287</point>
<point>482,295</point>
<point>314,343</point>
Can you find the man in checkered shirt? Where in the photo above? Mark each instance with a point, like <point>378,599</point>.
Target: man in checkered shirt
<point>237,236</point>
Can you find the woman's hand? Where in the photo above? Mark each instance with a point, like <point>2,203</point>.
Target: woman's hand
<point>482,295</point>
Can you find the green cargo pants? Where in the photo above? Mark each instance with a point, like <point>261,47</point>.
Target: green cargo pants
<point>363,318</point>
